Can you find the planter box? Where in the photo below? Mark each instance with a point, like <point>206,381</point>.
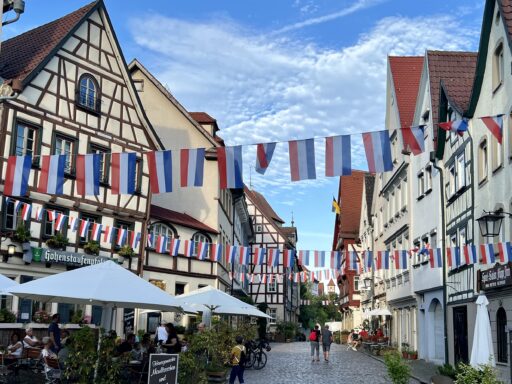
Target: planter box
<point>217,377</point>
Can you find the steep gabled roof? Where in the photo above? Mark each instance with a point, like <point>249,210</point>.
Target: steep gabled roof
<point>406,73</point>
<point>183,219</point>
<point>263,205</point>
<point>351,190</point>
<point>203,118</point>
<point>22,55</point>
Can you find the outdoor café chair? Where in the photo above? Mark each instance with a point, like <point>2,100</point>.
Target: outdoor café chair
<point>52,370</point>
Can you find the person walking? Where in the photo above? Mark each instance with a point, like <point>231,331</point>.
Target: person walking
<point>54,333</point>
<point>314,340</point>
<point>326,342</point>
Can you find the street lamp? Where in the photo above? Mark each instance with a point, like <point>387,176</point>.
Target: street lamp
<point>11,248</point>
<point>490,223</point>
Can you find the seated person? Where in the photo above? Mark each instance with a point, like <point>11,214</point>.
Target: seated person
<point>64,336</point>
<point>137,353</point>
<point>146,344</point>
<point>363,334</point>
<point>48,353</point>
<point>16,347</point>
<point>127,345</point>
<point>379,333</point>
<point>30,341</point>
<point>352,341</point>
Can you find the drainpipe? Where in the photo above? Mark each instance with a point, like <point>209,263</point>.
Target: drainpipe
<point>443,250</point>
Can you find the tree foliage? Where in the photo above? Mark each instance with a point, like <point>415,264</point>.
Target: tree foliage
<point>316,311</point>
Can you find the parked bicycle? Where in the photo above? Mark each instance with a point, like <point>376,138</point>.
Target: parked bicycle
<point>256,357</point>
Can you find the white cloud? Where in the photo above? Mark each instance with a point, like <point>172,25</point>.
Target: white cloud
<point>267,88</point>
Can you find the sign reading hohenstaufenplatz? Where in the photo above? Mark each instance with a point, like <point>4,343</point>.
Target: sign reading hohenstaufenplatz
<point>496,277</point>
<point>163,368</point>
<point>70,258</point>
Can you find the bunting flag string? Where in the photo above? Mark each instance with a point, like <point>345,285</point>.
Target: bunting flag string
<point>264,153</point>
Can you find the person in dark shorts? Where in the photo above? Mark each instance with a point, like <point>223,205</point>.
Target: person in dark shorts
<point>326,342</point>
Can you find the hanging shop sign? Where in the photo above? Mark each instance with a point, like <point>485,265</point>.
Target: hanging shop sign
<point>70,258</point>
<point>496,277</point>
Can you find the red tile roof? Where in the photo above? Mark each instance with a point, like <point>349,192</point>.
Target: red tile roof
<point>24,53</point>
<point>406,73</point>
<point>350,200</point>
<point>506,14</point>
<point>202,118</point>
<point>457,71</point>
<point>263,205</point>
<point>174,217</point>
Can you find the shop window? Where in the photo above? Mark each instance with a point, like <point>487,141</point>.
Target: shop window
<point>87,95</point>
<point>65,145</point>
<point>27,141</point>
<point>482,161</point>
<point>104,161</point>
<point>501,335</point>
<point>497,67</point>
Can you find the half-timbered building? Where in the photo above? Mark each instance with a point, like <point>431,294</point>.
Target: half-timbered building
<point>279,293</point>
<point>70,93</point>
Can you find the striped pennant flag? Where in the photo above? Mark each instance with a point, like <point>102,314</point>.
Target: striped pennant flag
<point>302,159</point>
<point>216,252</point>
<point>505,250</point>
<point>122,234</point>
<point>258,255</point>
<point>335,259</point>
<point>231,252</point>
<point>470,256</point>
<point>84,228</point>
<point>191,167</point>
<point>368,259</point>
<point>263,278</point>
<point>96,232</point>
<point>161,244</point>
<point>160,171</point>
<point>245,255</point>
<point>123,170</point>
<point>51,215</point>
<point>338,160</point>
<point>73,223</point>
<point>414,139</point>
<point>175,247</point>
<point>51,177</point>
<point>134,239</point>
<point>288,258</point>
<point>436,258</point>
<point>453,255</point>
<point>264,154</point>
<point>377,147</point>
<point>59,222</point>
<point>273,257</point>
<point>495,125</point>
<point>202,250</point>
<point>319,258</point>
<point>382,260</point>
<point>149,240</point>
<point>39,214</point>
<point>487,253</point>
<point>25,212</point>
<point>304,257</point>
<point>352,260</point>
<point>108,234</point>
<point>229,160</point>
<point>189,248</point>
<point>400,259</point>
<point>17,174</point>
<point>17,205</point>
<point>88,174</point>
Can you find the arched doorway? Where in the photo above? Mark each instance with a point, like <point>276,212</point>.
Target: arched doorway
<point>436,329</point>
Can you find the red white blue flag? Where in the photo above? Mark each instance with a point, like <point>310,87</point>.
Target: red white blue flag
<point>264,153</point>
<point>216,252</point>
<point>39,214</point>
<point>456,126</point>
<point>96,231</point>
<point>470,256</point>
<point>123,166</point>
<point>88,174</point>
<point>16,177</point>
<point>436,258</point>
<point>453,255</point>
<point>273,257</point>
<point>59,222</point>
<point>231,252</point>
<point>336,259</point>
<point>175,247</point>
<point>505,250</point>
<point>258,255</point>
<point>338,161</point>
<point>73,223</point>
<point>160,171</point>
<point>51,215</point>
<point>245,255</point>
<point>84,228</point>
<point>495,125</point>
<point>161,244</point>
<point>134,239</point>
<point>304,257</point>
<point>288,258</point>
<point>189,248</point>
<point>229,160</point>
<point>319,259</point>
<point>368,259</point>
<point>51,177</point>
<point>414,139</point>
<point>25,212</point>
<point>487,253</point>
<point>17,204</point>
<point>302,159</point>
<point>108,234</point>
<point>352,261</point>
<point>122,234</point>
<point>400,259</point>
<point>202,250</point>
<point>191,167</point>
<point>378,151</point>
<point>382,260</point>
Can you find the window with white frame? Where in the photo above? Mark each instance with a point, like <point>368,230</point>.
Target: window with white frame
<point>27,140</point>
<point>200,238</point>
<point>11,218</point>
<point>461,171</point>
<point>428,178</point>
<point>272,286</point>
<point>356,283</point>
<point>161,229</point>
<point>398,195</point>
<point>497,67</point>
<point>104,161</point>
<point>462,236</point>
<point>496,153</point>
<point>404,193</point>
<point>66,146</point>
<point>392,204</point>
<point>272,312</point>
<point>452,180</point>
<point>482,161</point>
<point>421,184</point>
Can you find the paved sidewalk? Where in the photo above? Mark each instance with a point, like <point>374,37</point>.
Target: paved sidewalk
<point>291,363</point>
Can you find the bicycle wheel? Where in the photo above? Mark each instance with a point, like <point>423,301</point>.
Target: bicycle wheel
<point>249,359</point>
<point>261,360</point>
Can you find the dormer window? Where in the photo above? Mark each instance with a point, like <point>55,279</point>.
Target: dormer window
<point>88,93</point>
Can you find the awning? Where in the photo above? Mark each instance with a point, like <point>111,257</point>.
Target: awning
<point>378,312</point>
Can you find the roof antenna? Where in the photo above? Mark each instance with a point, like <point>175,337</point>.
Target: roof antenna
<point>293,222</point>
<point>250,178</point>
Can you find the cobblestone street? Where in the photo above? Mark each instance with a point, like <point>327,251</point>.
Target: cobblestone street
<point>291,363</point>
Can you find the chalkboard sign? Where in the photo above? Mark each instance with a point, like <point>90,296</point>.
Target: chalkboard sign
<point>163,368</point>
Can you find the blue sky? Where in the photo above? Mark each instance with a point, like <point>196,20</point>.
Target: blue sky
<point>281,70</point>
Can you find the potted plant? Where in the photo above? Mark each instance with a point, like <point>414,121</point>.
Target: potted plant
<point>57,241</point>
<point>125,252</point>
<point>413,355</point>
<point>405,350</point>
<point>22,234</point>
<point>92,247</point>
<point>41,317</point>
<point>398,370</point>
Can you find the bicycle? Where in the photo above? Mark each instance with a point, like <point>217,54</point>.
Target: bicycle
<point>255,356</point>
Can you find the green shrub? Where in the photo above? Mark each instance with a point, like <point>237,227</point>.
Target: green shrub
<point>288,329</point>
<point>469,375</point>
<point>82,356</point>
<point>109,369</point>
<point>398,370</point>
<point>190,371</point>
<point>7,316</point>
<point>447,370</point>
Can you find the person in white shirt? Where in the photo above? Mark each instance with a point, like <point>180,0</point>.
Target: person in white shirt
<point>16,347</point>
<point>30,341</point>
<point>48,353</point>
<point>161,334</point>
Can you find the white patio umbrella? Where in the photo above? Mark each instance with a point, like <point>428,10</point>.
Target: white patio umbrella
<point>482,351</point>
<point>216,301</point>
<point>5,282</point>
<point>107,284</point>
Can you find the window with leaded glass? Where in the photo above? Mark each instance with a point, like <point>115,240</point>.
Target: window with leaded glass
<point>88,93</point>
